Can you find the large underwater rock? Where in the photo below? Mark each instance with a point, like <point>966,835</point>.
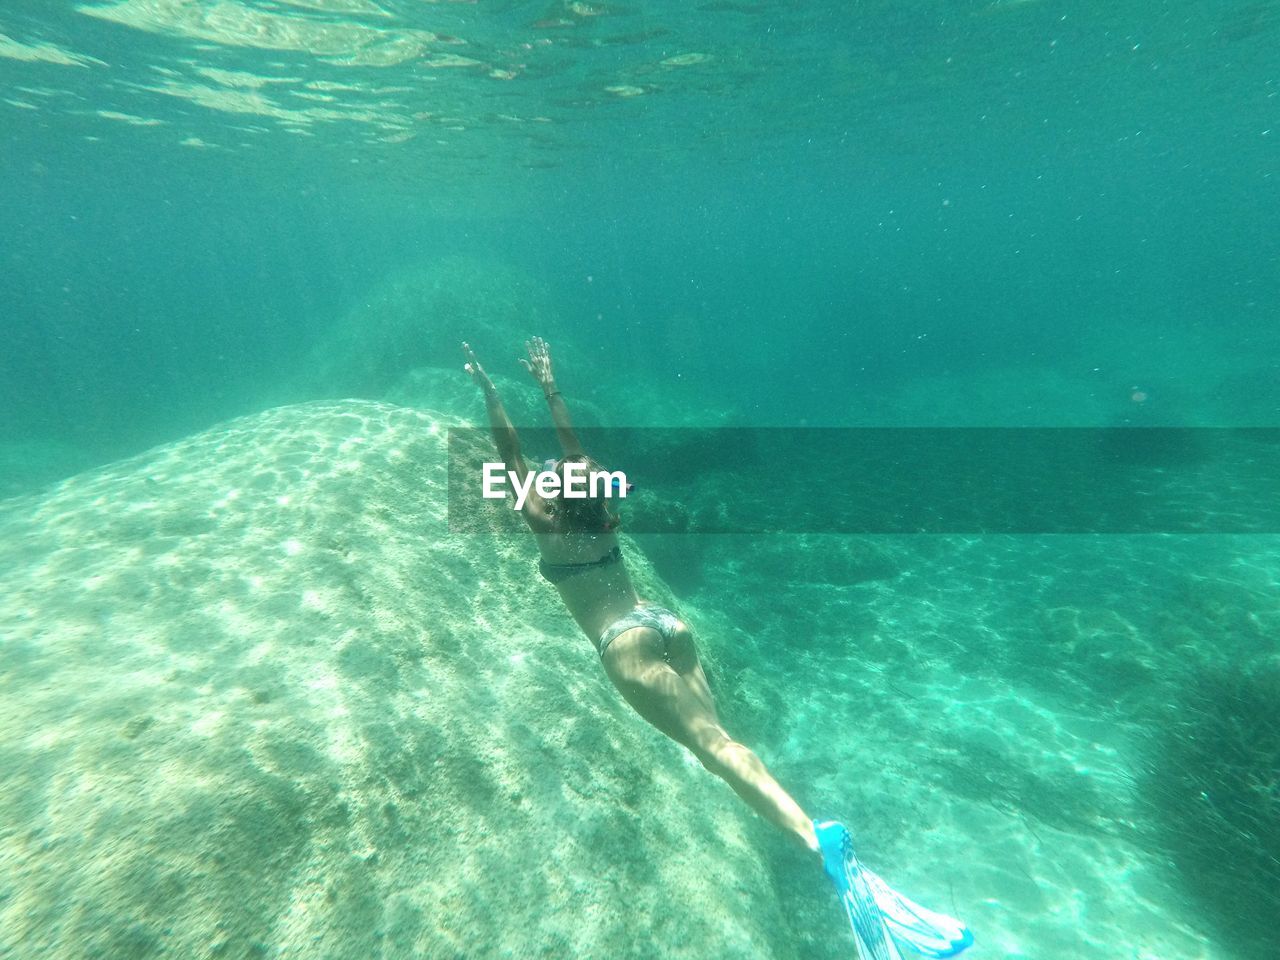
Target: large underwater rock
<point>256,701</point>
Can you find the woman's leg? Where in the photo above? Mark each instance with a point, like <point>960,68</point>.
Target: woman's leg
<point>675,698</point>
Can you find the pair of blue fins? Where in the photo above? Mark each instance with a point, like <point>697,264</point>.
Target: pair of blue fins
<point>881,917</point>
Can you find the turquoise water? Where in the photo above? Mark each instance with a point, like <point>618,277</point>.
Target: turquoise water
<point>998,213</point>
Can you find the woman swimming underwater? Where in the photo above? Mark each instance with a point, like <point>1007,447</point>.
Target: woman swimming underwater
<point>650,655</point>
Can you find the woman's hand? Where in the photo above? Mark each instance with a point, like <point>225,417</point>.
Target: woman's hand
<point>539,364</point>
<point>472,366</point>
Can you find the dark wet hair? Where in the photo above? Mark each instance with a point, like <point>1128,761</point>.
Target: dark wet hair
<point>585,515</point>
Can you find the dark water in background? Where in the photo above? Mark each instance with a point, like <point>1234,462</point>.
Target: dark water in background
<point>837,198</point>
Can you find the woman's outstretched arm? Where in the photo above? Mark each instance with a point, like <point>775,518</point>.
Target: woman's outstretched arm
<point>539,366</point>
<point>504,433</point>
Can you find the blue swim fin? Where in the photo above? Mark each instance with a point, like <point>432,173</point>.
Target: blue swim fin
<point>842,866</point>
<point>932,934</point>
<point>873,906</point>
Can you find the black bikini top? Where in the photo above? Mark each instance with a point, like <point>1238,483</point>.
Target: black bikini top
<point>556,572</point>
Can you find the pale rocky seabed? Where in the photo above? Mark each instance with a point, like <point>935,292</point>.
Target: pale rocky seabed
<point>258,701</point>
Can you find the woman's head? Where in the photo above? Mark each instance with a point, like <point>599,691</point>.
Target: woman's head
<point>589,514</point>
